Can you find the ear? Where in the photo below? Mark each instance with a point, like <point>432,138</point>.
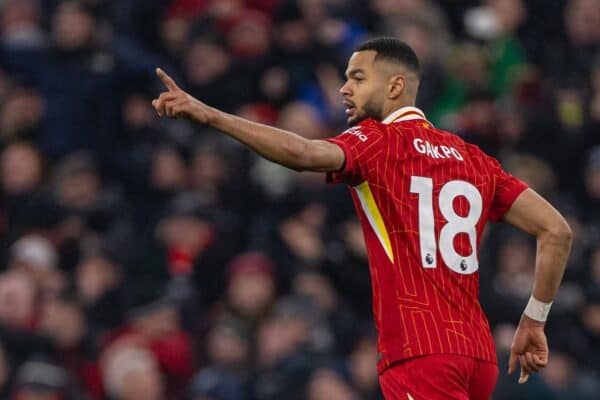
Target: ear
<point>396,86</point>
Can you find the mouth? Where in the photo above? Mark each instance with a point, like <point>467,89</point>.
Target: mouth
<point>350,107</point>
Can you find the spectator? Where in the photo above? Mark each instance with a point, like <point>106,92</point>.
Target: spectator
<point>21,115</point>
<point>216,176</point>
<point>391,11</point>
<point>248,35</point>
<point>286,354</point>
<point>154,324</point>
<point>130,373</point>
<point>19,314</point>
<point>40,380</point>
<point>98,281</point>
<point>581,18</point>
<point>20,24</point>
<point>228,346</point>
<point>72,57</point>
<point>22,169</point>
<point>251,286</point>
<point>319,291</point>
<point>36,256</point>
<point>62,321</point>
<point>431,50</point>
<point>209,71</point>
<point>18,310</point>
<point>295,243</point>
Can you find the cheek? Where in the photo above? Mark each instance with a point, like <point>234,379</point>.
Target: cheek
<point>369,93</point>
<point>360,99</point>
<point>373,102</point>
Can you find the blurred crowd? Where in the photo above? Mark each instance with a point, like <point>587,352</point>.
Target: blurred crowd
<point>155,259</point>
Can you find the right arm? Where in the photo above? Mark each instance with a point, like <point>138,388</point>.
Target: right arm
<point>534,215</point>
<point>280,146</point>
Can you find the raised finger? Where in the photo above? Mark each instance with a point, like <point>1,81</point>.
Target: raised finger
<point>166,80</point>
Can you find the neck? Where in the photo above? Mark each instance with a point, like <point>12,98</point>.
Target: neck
<point>390,108</point>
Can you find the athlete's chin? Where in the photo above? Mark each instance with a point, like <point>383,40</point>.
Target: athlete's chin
<point>354,119</point>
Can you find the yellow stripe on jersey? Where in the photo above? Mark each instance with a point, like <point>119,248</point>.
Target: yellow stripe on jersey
<point>374,216</point>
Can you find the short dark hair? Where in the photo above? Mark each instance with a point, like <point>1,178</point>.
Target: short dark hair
<point>394,50</point>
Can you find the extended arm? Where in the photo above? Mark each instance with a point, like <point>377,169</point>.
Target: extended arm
<point>277,145</point>
<point>280,146</point>
<point>534,215</point>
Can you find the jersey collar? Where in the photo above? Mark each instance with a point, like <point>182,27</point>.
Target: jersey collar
<point>404,114</point>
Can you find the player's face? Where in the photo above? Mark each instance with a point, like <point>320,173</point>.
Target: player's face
<point>364,90</point>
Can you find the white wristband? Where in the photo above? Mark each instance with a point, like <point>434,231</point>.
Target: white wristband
<point>537,310</point>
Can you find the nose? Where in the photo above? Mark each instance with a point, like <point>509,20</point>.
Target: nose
<point>345,89</point>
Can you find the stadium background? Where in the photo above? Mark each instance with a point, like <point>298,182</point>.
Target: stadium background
<point>153,259</point>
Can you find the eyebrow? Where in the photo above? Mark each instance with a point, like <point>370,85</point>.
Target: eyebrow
<point>354,72</point>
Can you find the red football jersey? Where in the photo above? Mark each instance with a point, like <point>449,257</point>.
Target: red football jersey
<point>423,196</point>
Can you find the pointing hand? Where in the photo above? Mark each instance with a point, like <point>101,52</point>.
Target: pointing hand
<point>175,102</point>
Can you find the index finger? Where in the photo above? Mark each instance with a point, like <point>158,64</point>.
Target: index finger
<point>166,80</point>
